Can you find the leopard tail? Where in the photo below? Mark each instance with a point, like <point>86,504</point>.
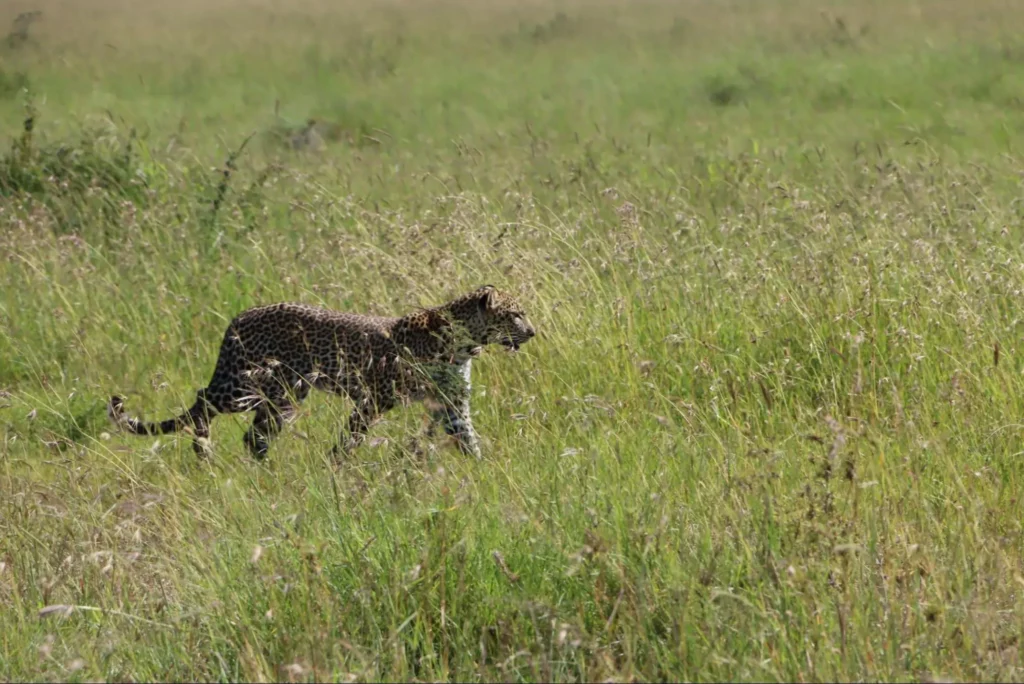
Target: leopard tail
<point>115,409</point>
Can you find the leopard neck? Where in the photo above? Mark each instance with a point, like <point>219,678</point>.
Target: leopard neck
<point>433,334</point>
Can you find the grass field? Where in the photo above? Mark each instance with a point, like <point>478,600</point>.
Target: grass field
<point>770,428</point>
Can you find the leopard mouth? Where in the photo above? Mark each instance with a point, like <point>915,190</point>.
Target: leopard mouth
<point>511,345</point>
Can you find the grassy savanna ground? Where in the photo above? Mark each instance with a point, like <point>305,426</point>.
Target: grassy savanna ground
<point>771,428</point>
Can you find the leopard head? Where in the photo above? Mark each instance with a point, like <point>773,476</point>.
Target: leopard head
<point>491,316</point>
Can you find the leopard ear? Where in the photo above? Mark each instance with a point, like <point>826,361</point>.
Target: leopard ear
<point>486,300</point>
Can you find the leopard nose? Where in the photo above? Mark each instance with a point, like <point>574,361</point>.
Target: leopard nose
<point>530,332</point>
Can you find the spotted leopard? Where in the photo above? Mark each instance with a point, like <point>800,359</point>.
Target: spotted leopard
<point>271,357</point>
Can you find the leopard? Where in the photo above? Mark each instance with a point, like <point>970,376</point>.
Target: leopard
<point>272,356</point>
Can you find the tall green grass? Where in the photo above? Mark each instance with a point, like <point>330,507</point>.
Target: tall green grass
<point>769,429</point>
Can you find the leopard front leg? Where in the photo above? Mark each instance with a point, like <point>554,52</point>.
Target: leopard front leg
<point>450,406</point>
<point>362,417</point>
<point>266,425</point>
